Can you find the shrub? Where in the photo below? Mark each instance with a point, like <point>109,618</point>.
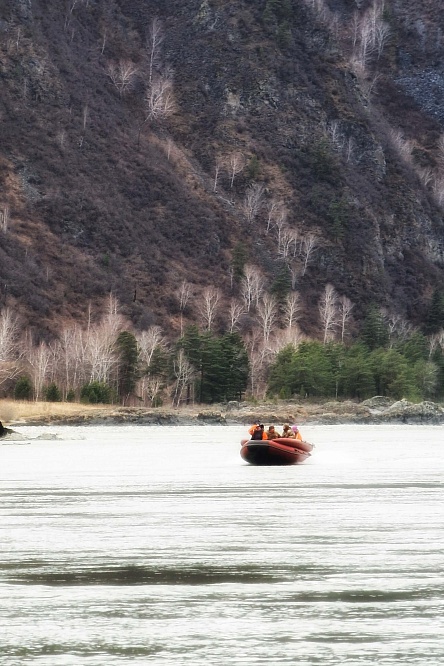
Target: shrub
<point>71,396</point>
<point>96,392</point>
<point>52,393</point>
<point>23,389</point>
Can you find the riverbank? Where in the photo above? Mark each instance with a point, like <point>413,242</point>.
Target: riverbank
<point>377,410</point>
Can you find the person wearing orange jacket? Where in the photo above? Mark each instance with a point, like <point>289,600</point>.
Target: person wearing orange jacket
<point>257,431</point>
<point>297,434</point>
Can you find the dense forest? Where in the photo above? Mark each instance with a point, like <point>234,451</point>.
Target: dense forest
<point>105,362</point>
<point>229,180</point>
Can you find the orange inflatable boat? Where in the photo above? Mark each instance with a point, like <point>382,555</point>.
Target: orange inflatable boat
<point>281,451</point>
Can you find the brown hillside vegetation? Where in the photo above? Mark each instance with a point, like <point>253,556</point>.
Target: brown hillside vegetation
<point>121,123</point>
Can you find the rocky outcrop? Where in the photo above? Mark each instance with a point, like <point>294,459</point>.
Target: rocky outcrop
<point>377,410</point>
<point>377,403</point>
<point>407,412</point>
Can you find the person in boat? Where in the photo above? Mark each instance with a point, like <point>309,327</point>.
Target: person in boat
<point>297,434</point>
<point>288,432</point>
<point>272,433</point>
<point>257,431</point>
<point>254,427</point>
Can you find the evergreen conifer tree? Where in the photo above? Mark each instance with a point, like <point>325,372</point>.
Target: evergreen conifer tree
<point>374,332</point>
<point>434,320</point>
<point>23,389</point>
<point>128,360</point>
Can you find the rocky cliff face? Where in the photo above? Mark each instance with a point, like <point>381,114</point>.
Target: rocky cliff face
<point>144,142</point>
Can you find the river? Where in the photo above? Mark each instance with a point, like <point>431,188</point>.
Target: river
<point>159,545</point>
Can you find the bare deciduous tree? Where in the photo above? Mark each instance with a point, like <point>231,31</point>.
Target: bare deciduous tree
<point>184,373</point>
<point>436,341</point>
<point>349,148</point>
<point>217,168</point>
<point>292,308</point>
<point>99,347</point>
<point>370,35</point>
<point>149,387</point>
<point>252,285</point>
<point>328,312</point>
<point>100,355</point>
<point>85,116</point>
<point>257,373</point>
<point>148,341</point>
<point>273,209</point>
<point>284,337</point>
<point>309,244</point>
<point>235,164</point>
<point>235,313</point>
<point>426,176</point>
<point>294,267</point>
<point>155,39</point>
<point>39,359</point>
<point>369,84</point>
<point>160,98</point>
<point>112,318</point>
<point>335,134</point>
<point>287,239</point>
<point>382,36</point>
<point>69,354</point>
<point>438,190</point>
<point>123,75</point>
<point>345,306</point>
<point>267,314</point>
<point>184,297</point>
<point>170,146</point>
<point>258,356</point>
<point>279,220</point>
<point>402,146</point>
<point>355,29</point>
<point>253,201</point>
<point>9,328</point>
<point>398,327</point>
<point>61,138</point>
<point>102,48</point>
<point>367,41</point>
<point>209,305</point>
<point>4,218</point>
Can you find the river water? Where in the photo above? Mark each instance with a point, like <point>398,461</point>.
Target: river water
<point>159,545</point>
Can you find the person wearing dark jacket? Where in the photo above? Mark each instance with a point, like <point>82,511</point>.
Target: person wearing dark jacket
<point>257,431</point>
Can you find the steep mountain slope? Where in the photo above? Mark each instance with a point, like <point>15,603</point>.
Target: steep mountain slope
<point>106,187</point>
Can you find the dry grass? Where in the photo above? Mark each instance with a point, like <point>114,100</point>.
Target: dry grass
<point>15,410</point>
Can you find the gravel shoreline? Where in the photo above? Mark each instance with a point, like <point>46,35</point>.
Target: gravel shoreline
<point>377,410</point>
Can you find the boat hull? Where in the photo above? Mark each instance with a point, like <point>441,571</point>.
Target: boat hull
<point>298,443</point>
<point>271,452</point>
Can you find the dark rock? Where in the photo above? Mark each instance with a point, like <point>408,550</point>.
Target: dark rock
<point>5,431</point>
